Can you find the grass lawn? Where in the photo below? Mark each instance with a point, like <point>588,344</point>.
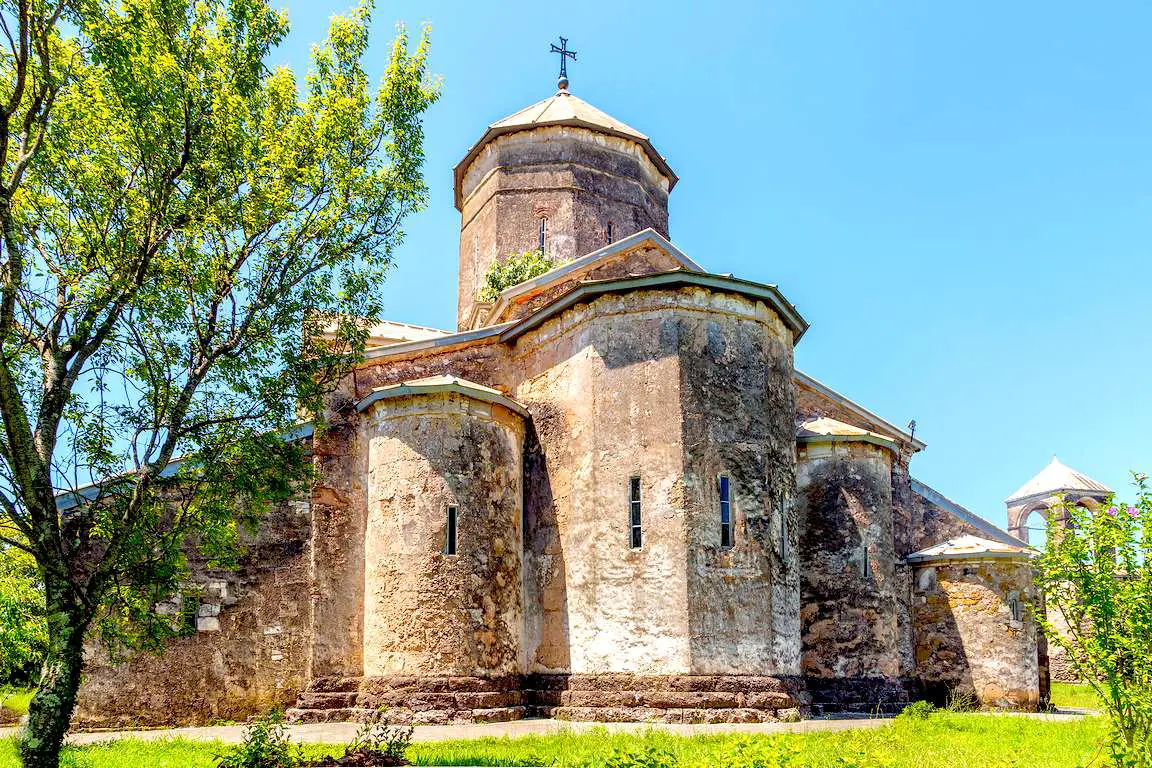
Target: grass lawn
<point>16,700</point>
<point>1071,695</point>
<point>945,740</point>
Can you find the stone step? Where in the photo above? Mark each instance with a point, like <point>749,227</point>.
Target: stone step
<point>327,700</point>
<point>682,715</point>
<point>402,716</point>
<point>661,699</point>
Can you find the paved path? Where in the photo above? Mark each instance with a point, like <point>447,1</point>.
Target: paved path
<point>342,733</point>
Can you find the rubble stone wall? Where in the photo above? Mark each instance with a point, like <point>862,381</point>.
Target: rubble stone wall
<point>247,654</point>
<point>849,581</point>
<point>966,638</point>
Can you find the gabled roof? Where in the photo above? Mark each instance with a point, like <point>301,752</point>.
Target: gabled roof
<point>562,109</point>
<point>589,262</point>
<point>432,385</point>
<point>971,548</point>
<point>828,430</point>
<point>1058,478</point>
<point>971,518</point>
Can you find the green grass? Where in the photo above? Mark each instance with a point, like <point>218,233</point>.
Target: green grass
<point>16,700</point>
<point>1073,695</point>
<point>944,740</point>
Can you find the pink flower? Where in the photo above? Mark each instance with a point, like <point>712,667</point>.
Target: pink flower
<point>1112,511</point>
<point>1131,511</point>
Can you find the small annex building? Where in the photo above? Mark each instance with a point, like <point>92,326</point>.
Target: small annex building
<point>606,495</point>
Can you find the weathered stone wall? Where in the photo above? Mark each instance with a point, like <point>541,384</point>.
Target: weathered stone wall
<point>849,585</point>
<point>249,655</point>
<point>738,410</point>
<point>578,179</point>
<point>615,388</point>
<point>965,637</point>
<point>428,613</point>
<point>602,383</point>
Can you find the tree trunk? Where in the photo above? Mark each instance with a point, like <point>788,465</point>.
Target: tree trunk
<point>50,711</point>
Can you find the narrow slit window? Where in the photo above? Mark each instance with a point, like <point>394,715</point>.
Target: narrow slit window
<point>783,530</point>
<point>450,531</point>
<point>636,533</point>
<point>725,511</point>
<point>542,246</point>
<point>611,234</point>
<point>865,562</point>
<point>1014,608</point>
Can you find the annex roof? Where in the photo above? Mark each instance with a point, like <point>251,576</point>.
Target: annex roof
<point>888,427</point>
<point>970,548</point>
<point>986,528</point>
<point>1058,478</point>
<point>829,430</point>
<point>589,262</point>
<point>431,385</point>
<point>562,109</point>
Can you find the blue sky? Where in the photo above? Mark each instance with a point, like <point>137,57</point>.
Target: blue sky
<point>957,196</point>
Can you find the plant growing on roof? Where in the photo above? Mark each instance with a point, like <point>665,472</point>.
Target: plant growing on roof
<point>1096,572</point>
<point>512,271</point>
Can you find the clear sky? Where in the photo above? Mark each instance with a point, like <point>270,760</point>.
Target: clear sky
<point>957,196</point>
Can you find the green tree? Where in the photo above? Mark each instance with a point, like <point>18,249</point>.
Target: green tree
<point>23,631</point>
<point>185,235</point>
<point>1096,574</point>
<point>513,271</point>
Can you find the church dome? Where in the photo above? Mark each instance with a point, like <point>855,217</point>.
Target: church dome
<point>562,109</point>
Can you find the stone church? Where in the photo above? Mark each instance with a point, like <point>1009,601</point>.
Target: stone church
<point>606,495</point>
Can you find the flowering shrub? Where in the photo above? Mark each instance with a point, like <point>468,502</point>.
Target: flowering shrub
<point>1096,572</point>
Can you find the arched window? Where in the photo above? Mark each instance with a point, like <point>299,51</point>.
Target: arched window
<point>543,244</point>
<point>1036,527</point>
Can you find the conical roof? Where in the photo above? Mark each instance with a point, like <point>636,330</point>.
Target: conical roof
<point>1057,478</point>
<point>563,109</point>
<point>968,547</point>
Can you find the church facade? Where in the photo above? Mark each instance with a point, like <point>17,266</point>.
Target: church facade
<point>606,495</point>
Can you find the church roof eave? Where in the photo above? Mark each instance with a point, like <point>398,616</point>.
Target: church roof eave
<point>807,381</point>
<point>433,385</point>
<point>583,292</point>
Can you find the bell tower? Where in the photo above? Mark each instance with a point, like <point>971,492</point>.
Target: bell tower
<point>560,176</point>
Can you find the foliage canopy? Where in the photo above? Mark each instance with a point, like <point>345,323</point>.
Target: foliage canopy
<point>190,242</point>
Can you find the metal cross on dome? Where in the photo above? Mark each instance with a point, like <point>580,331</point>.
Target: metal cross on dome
<point>565,54</point>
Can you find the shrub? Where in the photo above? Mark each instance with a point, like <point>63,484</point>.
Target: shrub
<point>513,271</point>
<point>265,745</point>
<point>376,744</point>
<point>961,701</point>
<point>918,710</point>
<point>1096,572</point>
